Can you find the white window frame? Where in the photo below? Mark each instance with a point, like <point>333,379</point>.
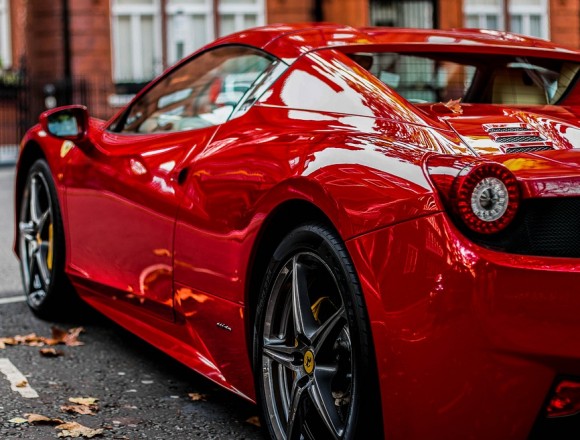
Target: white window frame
<point>482,11</point>
<point>239,10</point>
<point>189,11</point>
<point>525,11</point>
<point>5,41</point>
<point>135,12</point>
<point>204,9</point>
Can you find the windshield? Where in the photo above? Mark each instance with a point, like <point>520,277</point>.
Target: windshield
<point>473,78</point>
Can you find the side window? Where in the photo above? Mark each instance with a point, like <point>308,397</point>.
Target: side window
<point>201,93</point>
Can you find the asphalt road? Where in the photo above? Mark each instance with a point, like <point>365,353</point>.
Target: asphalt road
<point>141,392</point>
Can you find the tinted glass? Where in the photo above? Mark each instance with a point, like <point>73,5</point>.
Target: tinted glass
<point>201,93</point>
<point>477,78</point>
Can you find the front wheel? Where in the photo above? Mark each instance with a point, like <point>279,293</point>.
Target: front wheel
<point>41,246</point>
<point>315,375</point>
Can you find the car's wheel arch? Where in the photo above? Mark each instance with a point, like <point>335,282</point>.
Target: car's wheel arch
<point>280,221</point>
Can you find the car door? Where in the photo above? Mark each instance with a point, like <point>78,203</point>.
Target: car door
<point>122,195</point>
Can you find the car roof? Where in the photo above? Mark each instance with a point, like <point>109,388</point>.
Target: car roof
<point>289,41</point>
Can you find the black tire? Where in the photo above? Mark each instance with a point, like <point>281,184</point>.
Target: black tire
<point>41,248</point>
<point>313,354</point>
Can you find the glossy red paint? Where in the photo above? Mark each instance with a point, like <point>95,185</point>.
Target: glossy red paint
<point>470,335</point>
<point>162,229</point>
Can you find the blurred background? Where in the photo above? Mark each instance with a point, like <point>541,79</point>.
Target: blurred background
<point>101,52</point>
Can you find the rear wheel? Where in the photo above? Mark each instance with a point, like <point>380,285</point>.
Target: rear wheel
<point>41,246</point>
<point>313,352</point>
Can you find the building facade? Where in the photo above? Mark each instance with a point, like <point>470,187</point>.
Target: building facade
<point>100,52</point>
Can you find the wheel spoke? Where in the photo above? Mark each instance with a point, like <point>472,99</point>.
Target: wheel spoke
<point>34,202</point>
<point>42,220</point>
<point>280,353</point>
<point>31,271</point>
<point>304,321</point>
<point>321,395</point>
<point>329,330</point>
<point>42,266</point>
<point>295,414</point>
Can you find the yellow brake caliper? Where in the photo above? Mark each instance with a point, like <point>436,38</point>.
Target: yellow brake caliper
<point>316,306</point>
<point>49,256</point>
<point>315,311</point>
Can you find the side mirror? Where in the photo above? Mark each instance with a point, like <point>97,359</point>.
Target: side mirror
<point>69,122</point>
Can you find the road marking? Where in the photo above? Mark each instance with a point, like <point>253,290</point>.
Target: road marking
<point>15,377</point>
<point>12,299</point>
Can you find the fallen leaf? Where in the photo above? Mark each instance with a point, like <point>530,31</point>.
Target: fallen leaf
<point>31,339</point>
<point>51,352</point>
<point>87,401</point>
<point>9,341</point>
<point>18,420</point>
<point>454,105</point>
<point>72,337</point>
<point>75,430</point>
<point>66,337</point>
<point>22,384</point>
<point>59,336</point>
<point>197,396</point>
<point>39,419</point>
<point>254,420</point>
<point>79,409</point>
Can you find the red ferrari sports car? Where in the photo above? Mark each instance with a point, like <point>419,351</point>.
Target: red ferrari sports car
<point>369,232</point>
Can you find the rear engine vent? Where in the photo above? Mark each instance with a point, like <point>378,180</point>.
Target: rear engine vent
<point>528,149</point>
<point>493,128</point>
<point>517,138</point>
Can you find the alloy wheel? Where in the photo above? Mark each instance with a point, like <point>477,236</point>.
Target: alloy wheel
<point>307,359</point>
<point>36,238</point>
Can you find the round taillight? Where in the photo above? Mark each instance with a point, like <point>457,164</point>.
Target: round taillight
<point>486,197</point>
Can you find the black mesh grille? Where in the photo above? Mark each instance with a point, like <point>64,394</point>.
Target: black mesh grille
<point>553,227</point>
<point>528,149</point>
<point>544,227</point>
<point>505,129</point>
<point>518,139</point>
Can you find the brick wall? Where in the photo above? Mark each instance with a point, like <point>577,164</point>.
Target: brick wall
<point>90,31</point>
<point>90,51</point>
<point>18,18</point>
<point>349,12</point>
<point>289,11</point>
<point>43,40</point>
<point>565,22</point>
<point>450,14</point>
<point>8,122</point>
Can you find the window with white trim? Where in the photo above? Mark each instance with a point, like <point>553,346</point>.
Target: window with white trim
<point>5,49</point>
<point>190,24</point>
<point>136,27</point>
<point>236,15</point>
<point>527,17</point>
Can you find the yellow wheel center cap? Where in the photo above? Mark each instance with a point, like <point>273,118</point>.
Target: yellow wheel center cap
<point>309,362</point>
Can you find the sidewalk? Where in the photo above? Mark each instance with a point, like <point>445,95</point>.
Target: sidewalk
<point>8,154</point>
